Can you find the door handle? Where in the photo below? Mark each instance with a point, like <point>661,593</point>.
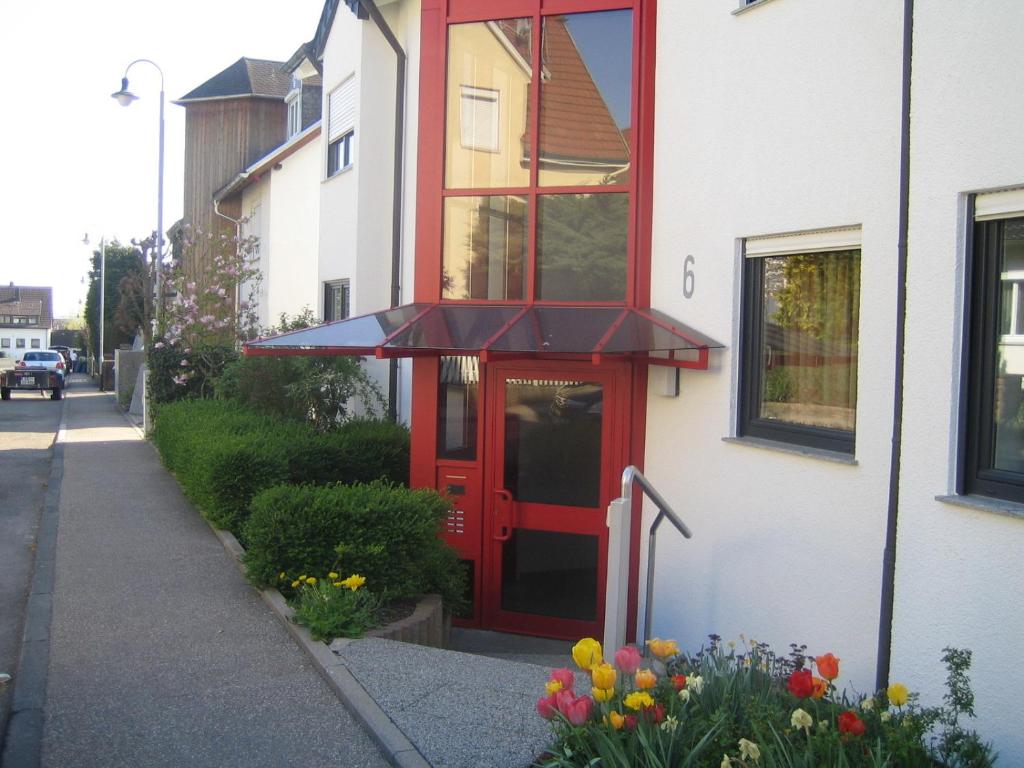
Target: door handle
<point>502,515</point>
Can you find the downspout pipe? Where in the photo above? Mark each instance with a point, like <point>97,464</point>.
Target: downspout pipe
<point>238,239</point>
<point>889,554</point>
<point>370,7</point>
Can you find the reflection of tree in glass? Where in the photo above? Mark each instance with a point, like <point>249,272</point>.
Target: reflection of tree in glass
<point>496,251</point>
<point>582,247</point>
<point>811,330</point>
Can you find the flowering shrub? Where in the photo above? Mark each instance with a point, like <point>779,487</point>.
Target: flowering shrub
<point>333,607</point>
<point>747,707</point>
<point>205,320</point>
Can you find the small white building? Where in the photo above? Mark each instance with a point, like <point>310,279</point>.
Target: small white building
<point>26,318</point>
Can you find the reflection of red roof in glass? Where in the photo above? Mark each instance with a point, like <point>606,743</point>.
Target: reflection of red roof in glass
<point>575,122</point>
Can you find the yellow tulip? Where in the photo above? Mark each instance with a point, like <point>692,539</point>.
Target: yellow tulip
<point>638,700</point>
<point>603,675</point>
<point>645,678</point>
<point>663,648</point>
<point>615,720</point>
<point>587,653</point>
<point>603,694</point>
<point>898,694</point>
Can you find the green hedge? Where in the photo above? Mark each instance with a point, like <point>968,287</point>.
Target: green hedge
<point>223,453</point>
<point>381,531</point>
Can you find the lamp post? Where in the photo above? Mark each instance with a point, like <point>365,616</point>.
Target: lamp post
<point>103,286</point>
<point>125,98</point>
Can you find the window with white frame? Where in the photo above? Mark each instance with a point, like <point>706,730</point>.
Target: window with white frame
<point>19,343</point>
<point>5,343</point>
<point>801,312</point>
<point>993,439</point>
<point>341,121</point>
<point>336,300</point>
<point>35,343</point>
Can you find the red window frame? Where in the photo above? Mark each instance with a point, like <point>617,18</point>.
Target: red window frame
<point>437,15</point>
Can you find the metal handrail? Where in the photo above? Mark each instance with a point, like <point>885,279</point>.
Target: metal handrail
<point>631,475</point>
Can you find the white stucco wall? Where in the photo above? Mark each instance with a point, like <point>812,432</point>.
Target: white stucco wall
<point>959,580</point>
<point>294,233</point>
<point>356,205</point>
<point>783,118</point>
<point>28,334</point>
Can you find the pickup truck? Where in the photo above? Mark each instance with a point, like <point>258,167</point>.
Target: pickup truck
<point>42,370</point>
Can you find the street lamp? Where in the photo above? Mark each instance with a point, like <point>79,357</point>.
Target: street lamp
<point>103,285</point>
<point>125,98</point>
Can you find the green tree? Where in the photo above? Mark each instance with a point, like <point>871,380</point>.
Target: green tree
<point>122,261</point>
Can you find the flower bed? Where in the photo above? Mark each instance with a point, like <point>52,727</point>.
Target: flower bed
<point>746,706</point>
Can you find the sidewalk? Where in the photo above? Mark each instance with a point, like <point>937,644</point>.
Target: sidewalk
<point>162,655</point>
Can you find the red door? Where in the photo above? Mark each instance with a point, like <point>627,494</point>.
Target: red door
<point>557,440</point>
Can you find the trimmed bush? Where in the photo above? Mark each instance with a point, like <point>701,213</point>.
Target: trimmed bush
<point>384,532</point>
<point>223,453</point>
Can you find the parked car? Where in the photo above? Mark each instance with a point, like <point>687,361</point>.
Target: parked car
<point>38,370</point>
<point>66,354</point>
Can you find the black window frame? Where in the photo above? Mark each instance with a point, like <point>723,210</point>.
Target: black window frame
<point>346,300</point>
<point>750,379</point>
<point>339,153</point>
<point>977,429</point>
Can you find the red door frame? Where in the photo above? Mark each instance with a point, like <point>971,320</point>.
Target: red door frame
<point>615,379</point>
<point>435,16</point>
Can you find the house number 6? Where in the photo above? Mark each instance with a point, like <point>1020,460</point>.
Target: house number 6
<point>688,263</point>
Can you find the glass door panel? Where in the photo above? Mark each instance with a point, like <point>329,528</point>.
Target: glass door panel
<point>553,448</point>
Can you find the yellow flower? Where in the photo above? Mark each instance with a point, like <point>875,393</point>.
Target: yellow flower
<point>638,700</point>
<point>587,653</point>
<point>801,719</point>
<point>603,675</point>
<point>898,694</point>
<point>552,686</point>
<point>332,575</point>
<point>615,720</point>
<point>663,648</point>
<point>645,678</point>
<point>311,580</point>
<point>295,584</point>
<point>302,577</point>
<point>339,583</point>
<point>603,694</point>
<point>749,749</point>
<point>282,576</point>
<point>354,582</point>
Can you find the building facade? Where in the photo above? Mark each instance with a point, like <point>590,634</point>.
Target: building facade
<point>830,193</point>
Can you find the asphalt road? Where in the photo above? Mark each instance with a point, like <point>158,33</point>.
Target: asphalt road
<point>28,425</point>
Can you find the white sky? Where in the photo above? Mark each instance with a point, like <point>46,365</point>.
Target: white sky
<point>75,160</point>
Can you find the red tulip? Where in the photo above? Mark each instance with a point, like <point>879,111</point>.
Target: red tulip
<point>628,659</point>
<point>801,683</point>
<point>546,707</point>
<point>564,676</point>
<point>576,709</point>
<point>679,682</point>
<point>851,724</point>
<point>630,722</point>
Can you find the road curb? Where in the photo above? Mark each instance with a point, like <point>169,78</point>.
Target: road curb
<point>396,747</point>
<point>23,738</point>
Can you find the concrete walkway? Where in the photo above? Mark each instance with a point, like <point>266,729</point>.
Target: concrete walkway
<point>160,654</point>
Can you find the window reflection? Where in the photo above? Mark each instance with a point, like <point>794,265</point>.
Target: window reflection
<point>582,247</point>
<point>586,98</point>
<point>485,242</point>
<point>1008,398</point>
<point>489,73</point>
<point>810,329</point>
<point>457,408</point>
